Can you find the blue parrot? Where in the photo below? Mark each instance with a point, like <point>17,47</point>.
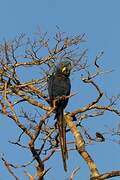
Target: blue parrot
<point>59,86</point>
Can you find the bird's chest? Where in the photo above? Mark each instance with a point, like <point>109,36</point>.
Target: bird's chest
<point>61,86</point>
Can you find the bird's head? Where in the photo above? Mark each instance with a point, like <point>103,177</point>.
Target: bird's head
<point>64,68</point>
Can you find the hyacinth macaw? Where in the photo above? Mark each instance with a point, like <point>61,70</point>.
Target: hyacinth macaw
<point>58,87</point>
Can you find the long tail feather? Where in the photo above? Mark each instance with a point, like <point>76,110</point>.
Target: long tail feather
<point>62,136</point>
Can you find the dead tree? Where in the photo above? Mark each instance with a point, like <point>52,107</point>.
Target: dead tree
<point>25,66</point>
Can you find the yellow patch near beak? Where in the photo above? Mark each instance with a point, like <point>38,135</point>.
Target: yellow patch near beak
<point>63,69</point>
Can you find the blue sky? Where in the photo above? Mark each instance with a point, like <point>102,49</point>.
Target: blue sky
<point>100,20</point>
